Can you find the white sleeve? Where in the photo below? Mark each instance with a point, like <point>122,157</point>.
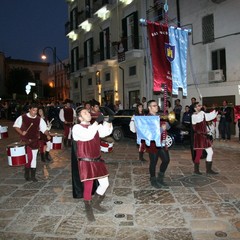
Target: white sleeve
<point>84,134</point>
<point>132,125</point>
<point>105,129</point>
<point>18,122</point>
<point>43,126</point>
<point>197,117</point>
<point>210,116</point>
<point>61,115</point>
<point>74,113</point>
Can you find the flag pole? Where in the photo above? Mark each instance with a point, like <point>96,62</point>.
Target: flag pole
<point>165,85</point>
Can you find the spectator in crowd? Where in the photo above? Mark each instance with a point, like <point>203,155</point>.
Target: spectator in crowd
<point>225,121</point>
<point>191,107</point>
<point>144,103</point>
<point>177,109</point>
<point>186,118</point>
<point>138,112</point>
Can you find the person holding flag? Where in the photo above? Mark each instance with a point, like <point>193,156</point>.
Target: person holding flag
<point>150,129</point>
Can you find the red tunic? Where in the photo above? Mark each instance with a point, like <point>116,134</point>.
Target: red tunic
<point>68,114</point>
<point>94,116</point>
<point>31,138</point>
<point>89,170</point>
<point>200,136</point>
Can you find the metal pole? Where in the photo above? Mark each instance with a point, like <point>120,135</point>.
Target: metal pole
<point>55,71</point>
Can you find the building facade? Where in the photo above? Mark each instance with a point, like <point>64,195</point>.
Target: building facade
<point>110,56</point>
<point>38,70</point>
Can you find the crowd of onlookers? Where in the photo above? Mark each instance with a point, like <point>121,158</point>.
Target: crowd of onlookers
<point>219,128</point>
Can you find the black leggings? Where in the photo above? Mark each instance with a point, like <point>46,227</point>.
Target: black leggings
<point>164,155</point>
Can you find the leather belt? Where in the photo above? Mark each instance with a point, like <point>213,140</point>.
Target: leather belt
<point>91,159</point>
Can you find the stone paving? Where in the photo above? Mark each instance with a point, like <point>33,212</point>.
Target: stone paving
<point>191,207</point>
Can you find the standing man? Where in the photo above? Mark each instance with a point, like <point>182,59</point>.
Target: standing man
<point>28,126</point>
<point>201,139</point>
<point>67,115</point>
<point>90,164</point>
<point>177,109</point>
<point>225,121</point>
<point>156,152</point>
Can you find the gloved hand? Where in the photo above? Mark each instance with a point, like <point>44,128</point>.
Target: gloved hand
<point>100,118</point>
<point>110,119</point>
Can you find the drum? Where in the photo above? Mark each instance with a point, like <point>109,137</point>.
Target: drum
<point>106,146</point>
<point>3,132</point>
<point>57,141</point>
<point>17,154</point>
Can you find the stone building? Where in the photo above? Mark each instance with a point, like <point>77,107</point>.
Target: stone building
<point>110,56</point>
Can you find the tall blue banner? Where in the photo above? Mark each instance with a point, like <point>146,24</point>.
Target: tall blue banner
<point>178,38</point>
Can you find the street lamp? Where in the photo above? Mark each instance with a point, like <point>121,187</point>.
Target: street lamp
<point>55,59</point>
<point>44,57</point>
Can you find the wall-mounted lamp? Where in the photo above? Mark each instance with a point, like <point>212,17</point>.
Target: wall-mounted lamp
<point>98,81</point>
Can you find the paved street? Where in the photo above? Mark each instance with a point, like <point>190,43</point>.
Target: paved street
<point>192,207</point>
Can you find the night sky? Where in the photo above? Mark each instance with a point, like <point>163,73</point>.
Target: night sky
<point>27,26</point>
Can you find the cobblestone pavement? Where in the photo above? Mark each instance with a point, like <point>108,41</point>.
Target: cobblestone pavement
<point>191,207</point>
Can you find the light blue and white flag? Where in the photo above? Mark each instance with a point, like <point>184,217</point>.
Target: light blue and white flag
<point>148,129</point>
<point>179,38</point>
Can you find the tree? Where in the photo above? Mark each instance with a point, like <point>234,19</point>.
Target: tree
<point>17,80</point>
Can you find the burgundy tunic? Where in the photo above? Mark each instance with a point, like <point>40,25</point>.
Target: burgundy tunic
<point>94,116</point>
<point>200,136</point>
<point>31,138</point>
<point>68,114</point>
<point>89,170</point>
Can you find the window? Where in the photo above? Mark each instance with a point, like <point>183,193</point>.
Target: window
<point>89,81</point>
<point>130,38</point>
<point>76,84</point>
<point>158,10</point>
<point>107,77</point>
<point>74,59</point>
<point>219,60</point>
<point>74,19</point>
<point>132,71</point>
<point>88,52</point>
<point>104,38</point>
<point>208,29</point>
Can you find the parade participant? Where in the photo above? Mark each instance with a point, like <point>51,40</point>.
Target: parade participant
<point>44,143</point>
<point>139,111</point>
<point>67,116</point>
<point>28,126</point>
<point>87,106</point>
<point>201,139</point>
<point>95,110</point>
<point>91,166</point>
<point>155,152</point>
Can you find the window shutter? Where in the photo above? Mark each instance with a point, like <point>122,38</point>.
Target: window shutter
<point>107,43</point>
<point>124,34</point>
<point>136,37</point>
<point>85,54</point>
<point>91,50</point>
<point>101,39</point>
